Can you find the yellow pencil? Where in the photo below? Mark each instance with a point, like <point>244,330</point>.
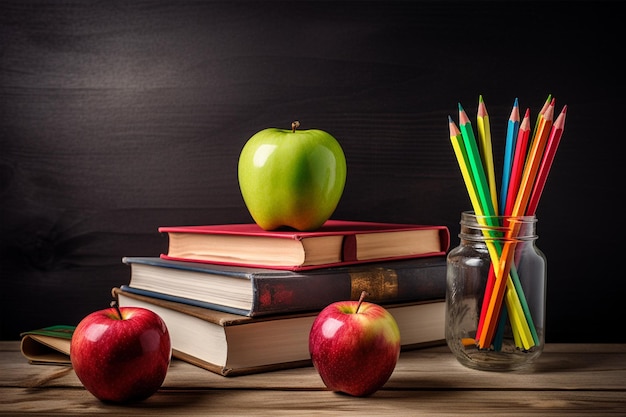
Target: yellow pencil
<point>486,150</point>
<point>461,155</point>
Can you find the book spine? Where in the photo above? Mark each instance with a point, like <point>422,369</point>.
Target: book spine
<point>316,290</point>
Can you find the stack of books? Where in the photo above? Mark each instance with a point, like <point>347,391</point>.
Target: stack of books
<point>239,300</point>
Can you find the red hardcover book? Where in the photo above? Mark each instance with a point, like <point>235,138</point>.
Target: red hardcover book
<point>337,242</point>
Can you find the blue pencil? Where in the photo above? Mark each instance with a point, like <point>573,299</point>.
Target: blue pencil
<point>509,149</point>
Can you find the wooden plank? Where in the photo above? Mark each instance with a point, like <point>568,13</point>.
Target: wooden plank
<point>253,402</point>
<point>568,379</point>
<point>563,366</point>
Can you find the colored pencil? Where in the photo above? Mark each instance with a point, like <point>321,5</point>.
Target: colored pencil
<point>476,166</point>
<point>546,104</point>
<point>519,159</point>
<point>458,144</point>
<point>546,162</point>
<point>509,150</point>
<point>498,338</point>
<point>486,150</point>
<point>461,155</point>
<point>491,280</point>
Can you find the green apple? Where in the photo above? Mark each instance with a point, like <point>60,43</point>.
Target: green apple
<point>291,178</point>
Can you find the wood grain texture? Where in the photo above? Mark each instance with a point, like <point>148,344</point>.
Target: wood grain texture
<point>568,379</point>
<point>117,118</point>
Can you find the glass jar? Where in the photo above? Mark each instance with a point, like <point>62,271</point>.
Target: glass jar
<point>495,293</point>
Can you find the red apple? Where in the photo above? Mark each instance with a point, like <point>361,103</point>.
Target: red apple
<point>121,354</point>
<point>354,346</point>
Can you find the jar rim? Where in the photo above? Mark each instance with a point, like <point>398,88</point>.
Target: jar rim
<point>484,228</point>
<point>524,218</point>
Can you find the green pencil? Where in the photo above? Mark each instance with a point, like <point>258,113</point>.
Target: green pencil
<point>476,165</point>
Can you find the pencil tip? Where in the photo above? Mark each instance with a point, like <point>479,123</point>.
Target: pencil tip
<point>480,98</point>
<point>460,107</point>
<point>449,119</point>
<point>515,103</point>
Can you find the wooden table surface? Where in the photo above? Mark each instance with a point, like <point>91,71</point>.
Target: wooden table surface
<point>568,379</point>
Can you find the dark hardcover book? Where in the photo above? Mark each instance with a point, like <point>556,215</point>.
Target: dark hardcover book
<point>230,344</point>
<point>337,242</point>
<point>257,291</point>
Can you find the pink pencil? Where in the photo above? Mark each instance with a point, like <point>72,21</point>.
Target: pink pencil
<point>546,162</point>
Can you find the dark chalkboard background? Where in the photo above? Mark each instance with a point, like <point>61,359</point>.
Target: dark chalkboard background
<point>118,117</point>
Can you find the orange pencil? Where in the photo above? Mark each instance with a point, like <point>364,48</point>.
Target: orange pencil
<point>546,104</point>
<point>546,162</point>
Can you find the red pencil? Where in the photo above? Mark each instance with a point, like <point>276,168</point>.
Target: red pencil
<point>546,162</point>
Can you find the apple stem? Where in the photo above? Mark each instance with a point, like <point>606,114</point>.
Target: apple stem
<point>361,298</point>
<point>117,308</point>
<point>294,126</point>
